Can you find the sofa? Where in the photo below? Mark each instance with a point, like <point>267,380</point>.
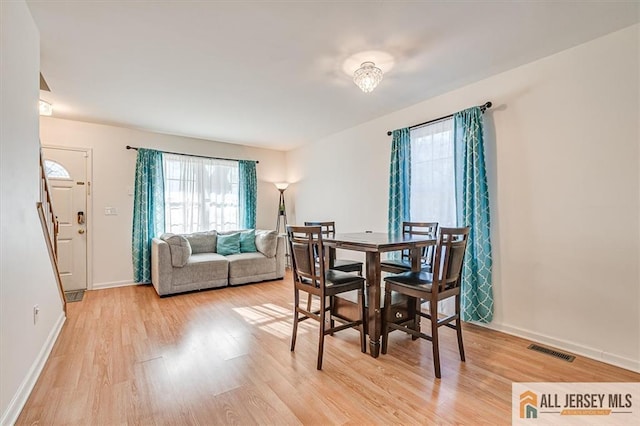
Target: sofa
<point>203,260</point>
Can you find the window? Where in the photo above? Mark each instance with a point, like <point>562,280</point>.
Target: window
<point>55,170</point>
<point>201,194</point>
<point>433,180</point>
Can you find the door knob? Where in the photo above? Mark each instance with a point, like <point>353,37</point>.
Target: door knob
<point>80,231</point>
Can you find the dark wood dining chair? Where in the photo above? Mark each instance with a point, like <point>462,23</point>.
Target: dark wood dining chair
<point>311,275</point>
<point>328,230</point>
<point>431,287</point>
<point>397,266</point>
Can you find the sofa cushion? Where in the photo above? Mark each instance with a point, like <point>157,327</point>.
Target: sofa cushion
<point>202,242</point>
<point>250,264</point>
<point>179,248</point>
<point>228,243</point>
<point>248,241</point>
<point>267,242</point>
<point>202,268</point>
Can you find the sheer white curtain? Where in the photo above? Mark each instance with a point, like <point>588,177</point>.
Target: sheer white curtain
<point>433,183</point>
<point>201,194</point>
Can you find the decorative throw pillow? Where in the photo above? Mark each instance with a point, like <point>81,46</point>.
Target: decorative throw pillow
<point>228,244</point>
<point>202,242</point>
<point>267,242</point>
<point>179,248</point>
<point>248,241</point>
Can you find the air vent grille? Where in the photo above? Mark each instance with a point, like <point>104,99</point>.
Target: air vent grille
<point>560,355</point>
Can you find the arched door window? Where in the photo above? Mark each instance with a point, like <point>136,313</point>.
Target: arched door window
<point>55,170</point>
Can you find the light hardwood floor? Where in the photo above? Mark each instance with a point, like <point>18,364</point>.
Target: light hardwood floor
<point>126,356</point>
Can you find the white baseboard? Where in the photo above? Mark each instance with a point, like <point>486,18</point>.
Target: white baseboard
<point>578,349</point>
<point>10,416</point>
<point>112,284</point>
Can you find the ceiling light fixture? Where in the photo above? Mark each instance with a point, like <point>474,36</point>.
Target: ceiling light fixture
<point>367,77</point>
<point>45,108</point>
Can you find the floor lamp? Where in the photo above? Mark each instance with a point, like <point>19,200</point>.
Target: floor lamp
<point>282,216</point>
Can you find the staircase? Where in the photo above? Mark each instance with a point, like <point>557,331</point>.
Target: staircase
<point>49,227</point>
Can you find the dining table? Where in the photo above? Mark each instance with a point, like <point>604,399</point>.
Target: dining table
<point>373,244</point>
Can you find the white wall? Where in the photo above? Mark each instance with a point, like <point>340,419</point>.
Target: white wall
<point>563,166</point>
<point>26,274</point>
<point>113,178</point>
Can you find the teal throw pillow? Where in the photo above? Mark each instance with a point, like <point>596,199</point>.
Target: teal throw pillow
<point>248,241</point>
<point>228,244</point>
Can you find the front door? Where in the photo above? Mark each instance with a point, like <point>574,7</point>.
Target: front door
<point>67,174</point>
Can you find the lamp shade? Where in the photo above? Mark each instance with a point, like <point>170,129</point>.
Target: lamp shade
<point>281,185</point>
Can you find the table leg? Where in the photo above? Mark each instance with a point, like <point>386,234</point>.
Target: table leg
<point>330,257</point>
<point>415,254</point>
<point>416,258</point>
<point>374,319</point>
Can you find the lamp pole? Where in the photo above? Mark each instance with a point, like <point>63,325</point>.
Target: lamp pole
<point>282,212</point>
<point>282,215</point>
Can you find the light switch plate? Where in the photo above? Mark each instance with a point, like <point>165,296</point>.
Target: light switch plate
<point>110,211</point>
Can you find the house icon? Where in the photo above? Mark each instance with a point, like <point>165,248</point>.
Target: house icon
<point>528,405</point>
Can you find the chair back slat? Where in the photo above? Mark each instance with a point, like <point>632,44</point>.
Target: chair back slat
<point>449,257</point>
<point>420,228</point>
<point>328,229</point>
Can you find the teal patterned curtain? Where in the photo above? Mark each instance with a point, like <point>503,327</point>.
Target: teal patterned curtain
<point>148,211</point>
<point>472,196</point>
<point>399,180</point>
<point>248,193</point>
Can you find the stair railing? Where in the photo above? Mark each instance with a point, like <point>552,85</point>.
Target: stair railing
<point>50,228</point>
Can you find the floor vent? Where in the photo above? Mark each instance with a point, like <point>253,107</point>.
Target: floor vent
<point>73,296</point>
<point>561,355</point>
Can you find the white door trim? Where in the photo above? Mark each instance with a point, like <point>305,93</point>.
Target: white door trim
<point>89,213</point>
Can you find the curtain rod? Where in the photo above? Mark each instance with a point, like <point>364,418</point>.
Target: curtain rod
<point>483,108</point>
<point>192,155</point>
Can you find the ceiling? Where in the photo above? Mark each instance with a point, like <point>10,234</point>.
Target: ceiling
<point>271,73</point>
